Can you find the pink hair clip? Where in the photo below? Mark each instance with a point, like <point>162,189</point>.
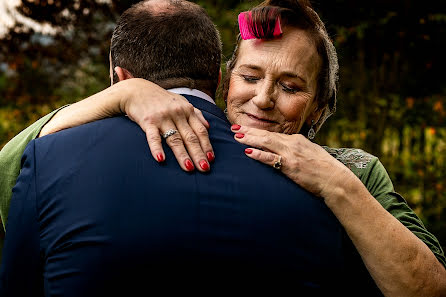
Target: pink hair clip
<point>246,32</point>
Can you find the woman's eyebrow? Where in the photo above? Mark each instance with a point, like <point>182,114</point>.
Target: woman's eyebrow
<point>293,75</point>
<point>250,66</point>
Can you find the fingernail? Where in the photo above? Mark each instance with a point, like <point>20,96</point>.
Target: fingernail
<point>248,151</point>
<point>160,157</point>
<point>235,127</point>
<point>189,165</point>
<point>239,135</point>
<point>210,156</point>
<point>204,165</point>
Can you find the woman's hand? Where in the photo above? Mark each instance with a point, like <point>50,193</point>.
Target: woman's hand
<point>306,163</point>
<point>155,110</point>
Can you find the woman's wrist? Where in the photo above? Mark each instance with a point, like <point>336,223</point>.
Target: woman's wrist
<point>116,103</point>
<point>340,188</point>
<point>122,94</point>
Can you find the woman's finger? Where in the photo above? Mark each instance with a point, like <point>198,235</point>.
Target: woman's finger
<point>203,137</point>
<point>192,144</point>
<point>175,142</point>
<point>154,140</point>
<point>268,158</point>
<point>245,130</point>
<point>262,139</point>
<point>200,116</point>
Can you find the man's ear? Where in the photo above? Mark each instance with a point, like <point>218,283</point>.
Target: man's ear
<point>123,73</point>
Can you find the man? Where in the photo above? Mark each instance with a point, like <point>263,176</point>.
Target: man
<point>94,215</point>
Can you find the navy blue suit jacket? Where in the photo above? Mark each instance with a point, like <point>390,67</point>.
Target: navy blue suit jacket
<point>93,214</point>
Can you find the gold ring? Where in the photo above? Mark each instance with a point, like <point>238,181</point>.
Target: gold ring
<point>278,164</point>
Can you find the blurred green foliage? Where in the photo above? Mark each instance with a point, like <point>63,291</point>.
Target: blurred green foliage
<point>392,94</point>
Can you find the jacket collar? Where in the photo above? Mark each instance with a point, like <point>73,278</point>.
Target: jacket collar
<point>202,104</point>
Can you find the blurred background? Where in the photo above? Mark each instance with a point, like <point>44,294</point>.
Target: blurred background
<point>392,83</point>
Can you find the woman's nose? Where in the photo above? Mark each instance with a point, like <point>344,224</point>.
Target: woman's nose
<point>265,95</point>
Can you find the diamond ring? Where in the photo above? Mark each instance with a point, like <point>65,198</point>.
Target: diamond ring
<point>169,133</point>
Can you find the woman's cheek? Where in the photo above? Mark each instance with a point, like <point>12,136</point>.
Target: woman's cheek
<point>237,89</point>
<point>294,116</point>
<point>238,94</point>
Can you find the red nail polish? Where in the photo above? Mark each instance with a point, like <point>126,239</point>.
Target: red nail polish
<point>210,156</point>
<point>189,165</point>
<point>204,165</point>
<point>160,157</point>
<point>239,135</point>
<point>235,127</point>
<point>248,151</point>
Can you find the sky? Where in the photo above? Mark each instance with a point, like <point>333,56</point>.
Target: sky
<point>9,16</point>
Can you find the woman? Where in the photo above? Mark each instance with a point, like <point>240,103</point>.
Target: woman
<point>275,89</point>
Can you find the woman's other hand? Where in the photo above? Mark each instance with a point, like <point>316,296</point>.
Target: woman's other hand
<point>306,163</point>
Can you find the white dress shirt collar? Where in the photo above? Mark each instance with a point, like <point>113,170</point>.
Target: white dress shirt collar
<point>192,92</point>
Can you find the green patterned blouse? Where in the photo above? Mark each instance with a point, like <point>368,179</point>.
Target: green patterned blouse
<point>374,176</point>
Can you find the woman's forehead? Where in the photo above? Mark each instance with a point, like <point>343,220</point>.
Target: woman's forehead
<point>293,52</point>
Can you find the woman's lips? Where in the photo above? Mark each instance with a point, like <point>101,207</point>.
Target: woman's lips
<point>256,118</point>
<point>259,122</point>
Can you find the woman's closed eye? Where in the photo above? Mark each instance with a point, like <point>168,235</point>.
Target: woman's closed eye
<point>289,89</point>
<point>250,78</point>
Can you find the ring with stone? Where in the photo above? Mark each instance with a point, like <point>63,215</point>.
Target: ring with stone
<point>278,164</point>
<point>169,133</point>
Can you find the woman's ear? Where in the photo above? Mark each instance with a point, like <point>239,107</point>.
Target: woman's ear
<point>123,73</point>
<point>314,116</point>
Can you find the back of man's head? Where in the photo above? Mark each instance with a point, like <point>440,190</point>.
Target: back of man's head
<point>173,43</point>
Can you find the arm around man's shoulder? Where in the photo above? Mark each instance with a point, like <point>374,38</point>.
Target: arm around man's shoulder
<point>10,157</point>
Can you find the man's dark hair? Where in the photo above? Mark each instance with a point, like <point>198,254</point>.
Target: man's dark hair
<point>173,44</point>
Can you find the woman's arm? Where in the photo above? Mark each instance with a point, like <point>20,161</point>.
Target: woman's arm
<point>10,157</point>
<point>155,110</point>
<point>399,262</point>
